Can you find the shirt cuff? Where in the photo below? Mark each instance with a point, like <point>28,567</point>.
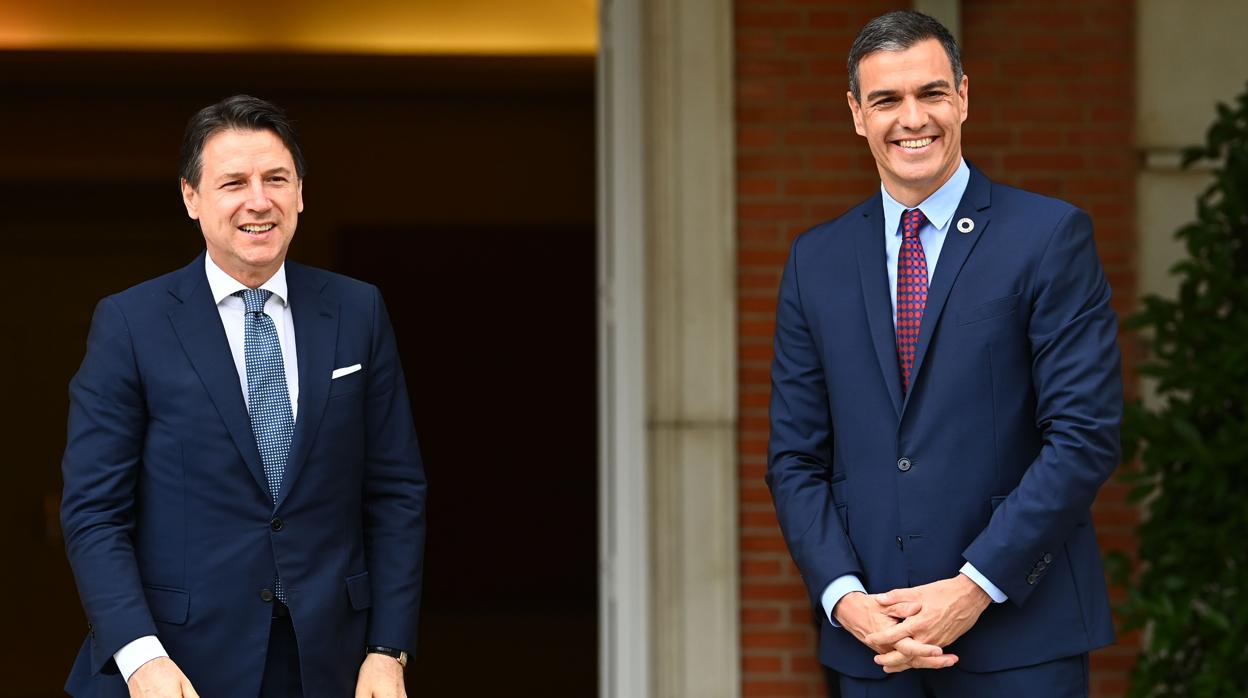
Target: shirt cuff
<point>137,653</point>
<point>842,585</point>
<point>989,588</point>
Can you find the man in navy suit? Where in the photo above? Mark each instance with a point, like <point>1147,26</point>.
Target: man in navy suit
<point>946,397</point>
<point>244,502</point>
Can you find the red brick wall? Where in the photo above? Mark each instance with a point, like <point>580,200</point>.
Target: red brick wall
<point>1052,110</point>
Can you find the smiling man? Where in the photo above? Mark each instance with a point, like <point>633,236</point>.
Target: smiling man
<point>946,396</point>
<point>244,501</point>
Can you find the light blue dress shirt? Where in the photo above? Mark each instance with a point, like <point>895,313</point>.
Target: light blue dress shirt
<point>938,209</point>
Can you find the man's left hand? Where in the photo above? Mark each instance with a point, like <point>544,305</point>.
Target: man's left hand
<point>380,677</point>
<point>949,608</point>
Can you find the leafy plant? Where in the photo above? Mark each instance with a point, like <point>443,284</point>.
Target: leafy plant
<point>1187,592</point>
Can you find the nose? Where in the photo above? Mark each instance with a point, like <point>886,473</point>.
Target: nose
<point>257,199</point>
<point>913,117</point>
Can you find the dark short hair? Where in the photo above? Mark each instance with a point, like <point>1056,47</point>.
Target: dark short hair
<point>237,113</point>
<point>898,31</point>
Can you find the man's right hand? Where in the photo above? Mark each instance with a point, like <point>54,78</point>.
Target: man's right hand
<point>160,678</point>
<point>862,615</point>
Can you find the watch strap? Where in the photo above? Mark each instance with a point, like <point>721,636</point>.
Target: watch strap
<point>398,654</point>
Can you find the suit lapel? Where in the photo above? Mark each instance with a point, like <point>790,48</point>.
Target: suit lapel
<point>316,336</point>
<point>197,323</point>
<point>975,205</point>
<point>873,273</point>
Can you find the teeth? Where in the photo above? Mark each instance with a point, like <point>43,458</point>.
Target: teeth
<point>919,143</point>
<point>258,228</point>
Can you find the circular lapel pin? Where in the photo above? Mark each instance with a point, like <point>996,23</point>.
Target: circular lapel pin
<point>965,225</point>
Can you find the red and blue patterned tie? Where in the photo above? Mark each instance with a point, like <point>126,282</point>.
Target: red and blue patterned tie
<point>911,292</point>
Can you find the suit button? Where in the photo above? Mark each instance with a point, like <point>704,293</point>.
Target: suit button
<point>276,524</point>
<point>266,595</point>
<point>1031,578</point>
<point>904,464</point>
<point>1048,557</point>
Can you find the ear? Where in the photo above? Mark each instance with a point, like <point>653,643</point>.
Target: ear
<point>299,196</point>
<point>190,199</point>
<point>964,92</point>
<point>855,109</point>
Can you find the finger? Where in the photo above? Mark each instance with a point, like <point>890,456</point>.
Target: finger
<point>188,691</point>
<point>904,609</point>
<point>913,648</point>
<point>891,635</point>
<point>892,659</point>
<point>942,662</point>
<point>896,596</point>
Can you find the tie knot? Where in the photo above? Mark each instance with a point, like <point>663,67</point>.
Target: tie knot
<point>911,221</point>
<point>254,298</point>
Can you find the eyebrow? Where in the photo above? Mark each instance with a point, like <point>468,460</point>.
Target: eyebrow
<point>935,84</point>
<point>243,175</point>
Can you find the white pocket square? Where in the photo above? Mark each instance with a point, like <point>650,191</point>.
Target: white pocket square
<point>345,371</point>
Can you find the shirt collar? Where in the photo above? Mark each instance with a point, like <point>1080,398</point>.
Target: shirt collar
<point>938,208</point>
<point>223,285</point>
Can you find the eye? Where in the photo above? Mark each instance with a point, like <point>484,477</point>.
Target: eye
<point>232,184</point>
<point>277,179</point>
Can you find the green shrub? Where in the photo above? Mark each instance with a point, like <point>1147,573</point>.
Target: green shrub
<point>1187,592</point>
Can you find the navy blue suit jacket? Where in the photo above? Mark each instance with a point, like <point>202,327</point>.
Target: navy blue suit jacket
<point>1010,426</point>
<point>169,525</point>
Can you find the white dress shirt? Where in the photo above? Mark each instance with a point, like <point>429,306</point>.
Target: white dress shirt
<point>938,209</point>
<point>232,309</point>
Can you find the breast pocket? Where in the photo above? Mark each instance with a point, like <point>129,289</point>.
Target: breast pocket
<point>993,309</point>
<point>348,384</point>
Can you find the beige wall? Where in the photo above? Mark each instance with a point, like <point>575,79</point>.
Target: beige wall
<point>1191,55</point>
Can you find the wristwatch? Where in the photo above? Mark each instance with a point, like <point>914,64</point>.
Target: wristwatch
<point>399,655</point>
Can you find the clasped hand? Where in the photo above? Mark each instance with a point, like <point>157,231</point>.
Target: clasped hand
<point>909,628</point>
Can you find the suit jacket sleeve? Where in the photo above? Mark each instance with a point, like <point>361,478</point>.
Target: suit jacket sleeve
<point>394,495</point>
<point>1076,373</point>
<point>799,464</point>
<point>107,423</point>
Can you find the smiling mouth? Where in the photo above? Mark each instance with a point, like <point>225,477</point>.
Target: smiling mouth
<point>915,143</point>
<point>257,228</point>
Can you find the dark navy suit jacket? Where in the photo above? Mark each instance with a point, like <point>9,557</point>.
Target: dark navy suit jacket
<point>995,455</point>
<point>169,524</point>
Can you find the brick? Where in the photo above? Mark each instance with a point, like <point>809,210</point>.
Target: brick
<point>760,616</point>
<point>755,44</point>
<point>780,639</point>
<point>773,689</point>
<point>768,162</point>
<point>763,542</point>
<point>772,592</point>
<point>770,664</point>
<point>769,67</point>
<point>1045,161</point>
<point>759,91</point>
<point>756,569</point>
<point>768,20</point>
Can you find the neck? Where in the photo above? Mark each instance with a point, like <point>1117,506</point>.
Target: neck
<point>251,278</point>
<point>913,195</point>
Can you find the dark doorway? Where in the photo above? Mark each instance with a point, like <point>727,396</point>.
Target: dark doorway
<point>493,326</point>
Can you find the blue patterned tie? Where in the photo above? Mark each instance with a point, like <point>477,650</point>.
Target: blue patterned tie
<point>268,400</point>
